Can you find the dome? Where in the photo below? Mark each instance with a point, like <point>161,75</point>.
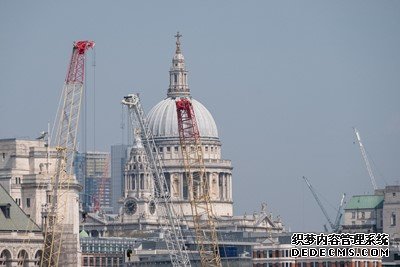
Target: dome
<point>163,119</point>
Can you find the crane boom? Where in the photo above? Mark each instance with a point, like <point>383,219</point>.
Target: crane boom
<point>67,120</point>
<point>319,203</point>
<point>364,155</point>
<point>339,213</point>
<point>199,196</point>
<point>173,232</point>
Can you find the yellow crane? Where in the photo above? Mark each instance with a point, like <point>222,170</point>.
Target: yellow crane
<point>199,195</point>
<point>57,220</point>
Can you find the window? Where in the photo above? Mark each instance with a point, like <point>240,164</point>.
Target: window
<point>6,210</point>
<point>353,215</point>
<point>168,149</point>
<point>142,181</point>
<point>185,188</point>
<point>362,215</point>
<point>161,149</point>
<point>393,219</point>
<point>175,78</point>
<point>28,202</point>
<point>206,148</point>
<point>394,194</point>
<point>176,149</point>
<point>4,156</point>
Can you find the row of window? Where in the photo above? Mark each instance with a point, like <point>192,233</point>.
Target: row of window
<point>176,149</point>
<point>102,261</point>
<point>28,202</point>
<point>271,253</point>
<point>360,215</point>
<point>318,264</point>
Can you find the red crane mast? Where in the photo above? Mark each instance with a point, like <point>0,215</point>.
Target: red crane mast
<point>199,195</point>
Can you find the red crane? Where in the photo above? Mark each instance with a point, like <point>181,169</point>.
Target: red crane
<point>60,223</point>
<point>199,195</point>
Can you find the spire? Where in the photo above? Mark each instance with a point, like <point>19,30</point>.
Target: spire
<point>178,85</point>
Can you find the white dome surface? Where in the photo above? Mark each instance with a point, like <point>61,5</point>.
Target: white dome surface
<point>163,120</point>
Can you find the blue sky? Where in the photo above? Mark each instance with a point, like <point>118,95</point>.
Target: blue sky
<point>285,81</point>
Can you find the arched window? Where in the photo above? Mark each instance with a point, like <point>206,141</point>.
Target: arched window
<point>23,259</point>
<point>5,258</point>
<point>38,257</point>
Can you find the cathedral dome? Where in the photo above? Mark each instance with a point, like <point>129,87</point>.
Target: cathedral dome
<point>163,119</point>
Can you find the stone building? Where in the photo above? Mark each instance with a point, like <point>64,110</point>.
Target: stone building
<point>139,188</point>
<point>276,251</point>
<point>364,214</point>
<point>21,239</point>
<point>25,169</point>
<point>391,211</point>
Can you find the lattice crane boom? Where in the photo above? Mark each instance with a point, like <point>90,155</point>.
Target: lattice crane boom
<point>364,155</point>
<point>67,121</point>
<point>199,196</point>
<point>172,229</point>
<point>319,203</point>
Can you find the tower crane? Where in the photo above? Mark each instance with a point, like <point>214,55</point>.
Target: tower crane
<point>60,211</point>
<point>199,195</point>
<point>364,155</point>
<point>336,225</point>
<point>173,232</point>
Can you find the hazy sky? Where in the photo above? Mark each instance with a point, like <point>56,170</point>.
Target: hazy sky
<point>285,81</point>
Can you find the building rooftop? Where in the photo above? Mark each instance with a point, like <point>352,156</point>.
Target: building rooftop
<point>365,202</point>
<point>12,217</point>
